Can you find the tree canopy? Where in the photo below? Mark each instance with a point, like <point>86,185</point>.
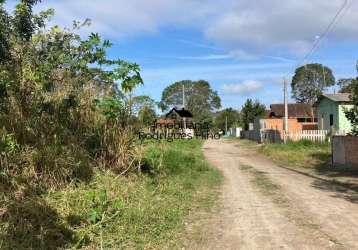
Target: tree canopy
<point>345,85</point>
<point>143,101</point>
<point>310,81</point>
<point>200,98</point>
<point>146,116</point>
<point>249,111</point>
<point>352,114</point>
<point>228,115</point>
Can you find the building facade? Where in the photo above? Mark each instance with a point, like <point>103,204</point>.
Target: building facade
<point>330,112</point>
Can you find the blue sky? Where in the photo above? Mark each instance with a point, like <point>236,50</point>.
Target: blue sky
<point>242,47</point>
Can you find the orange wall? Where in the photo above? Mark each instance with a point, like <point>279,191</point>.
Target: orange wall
<point>277,124</point>
<point>293,125</point>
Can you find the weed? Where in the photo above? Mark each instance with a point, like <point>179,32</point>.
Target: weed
<point>298,154</point>
<point>145,211</point>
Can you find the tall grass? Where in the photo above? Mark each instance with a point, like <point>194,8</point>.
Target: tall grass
<point>140,211</point>
<point>299,154</point>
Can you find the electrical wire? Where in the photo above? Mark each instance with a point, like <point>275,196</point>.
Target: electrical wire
<point>328,29</point>
<point>325,32</point>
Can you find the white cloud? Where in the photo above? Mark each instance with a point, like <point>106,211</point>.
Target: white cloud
<point>276,24</point>
<point>247,87</point>
<point>207,57</point>
<point>245,28</point>
<point>196,44</point>
<point>119,19</point>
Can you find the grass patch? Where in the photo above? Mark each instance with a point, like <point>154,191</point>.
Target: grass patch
<point>303,154</point>
<point>313,159</point>
<point>245,167</point>
<point>138,212</point>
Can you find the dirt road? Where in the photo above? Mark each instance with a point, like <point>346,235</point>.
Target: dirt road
<point>299,212</point>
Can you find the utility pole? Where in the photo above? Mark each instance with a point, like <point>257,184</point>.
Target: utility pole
<point>225,125</point>
<point>286,106</point>
<point>183,96</point>
<point>184,119</point>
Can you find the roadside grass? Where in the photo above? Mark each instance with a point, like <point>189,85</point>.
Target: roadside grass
<point>302,154</point>
<point>313,159</point>
<point>310,157</point>
<point>145,211</point>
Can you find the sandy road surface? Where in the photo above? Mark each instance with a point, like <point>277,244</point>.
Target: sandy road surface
<point>315,215</point>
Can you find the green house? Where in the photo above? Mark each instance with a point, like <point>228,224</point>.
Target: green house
<point>330,112</point>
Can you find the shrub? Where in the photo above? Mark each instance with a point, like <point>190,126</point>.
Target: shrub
<point>62,105</point>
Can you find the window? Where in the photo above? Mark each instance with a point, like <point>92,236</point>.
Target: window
<point>331,120</point>
<point>302,120</point>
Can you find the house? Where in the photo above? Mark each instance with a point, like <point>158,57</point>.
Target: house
<point>271,126</point>
<point>301,111</point>
<point>179,114</point>
<point>301,116</point>
<point>330,112</point>
<point>175,119</point>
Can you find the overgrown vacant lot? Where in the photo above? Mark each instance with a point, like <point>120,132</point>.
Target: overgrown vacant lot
<point>139,211</point>
<point>303,154</point>
<point>309,157</point>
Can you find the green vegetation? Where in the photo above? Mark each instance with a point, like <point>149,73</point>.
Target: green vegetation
<point>352,114</point>
<point>200,99</point>
<point>310,81</point>
<point>345,85</point>
<point>302,154</point>
<point>313,159</point>
<point>63,106</point>
<point>249,111</point>
<point>72,173</point>
<point>226,118</point>
<point>141,211</point>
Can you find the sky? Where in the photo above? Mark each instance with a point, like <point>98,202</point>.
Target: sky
<point>243,48</point>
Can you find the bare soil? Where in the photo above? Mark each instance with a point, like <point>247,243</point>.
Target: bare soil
<point>263,206</point>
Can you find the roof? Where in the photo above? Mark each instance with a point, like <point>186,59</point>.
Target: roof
<point>183,113</point>
<point>340,97</point>
<point>295,110</point>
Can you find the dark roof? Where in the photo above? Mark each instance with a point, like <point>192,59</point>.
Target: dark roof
<point>295,110</point>
<point>340,97</point>
<point>183,113</point>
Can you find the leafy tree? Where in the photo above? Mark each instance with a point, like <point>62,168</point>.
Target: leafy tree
<point>200,98</point>
<point>310,81</point>
<point>249,111</point>
<point>146,116</point>
<point>345,85</point>
<point>61,99</point>
<point>352,114</point>
<point>142,101</point>
<point>5,32</point>
<point>230,115</point>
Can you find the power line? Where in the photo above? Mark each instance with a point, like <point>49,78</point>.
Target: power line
<point>325,32</point>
